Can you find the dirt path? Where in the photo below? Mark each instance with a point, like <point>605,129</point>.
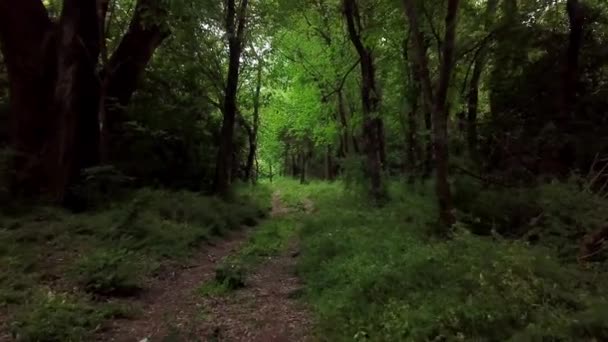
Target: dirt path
<point>264,311</point>
<point>171,301</point>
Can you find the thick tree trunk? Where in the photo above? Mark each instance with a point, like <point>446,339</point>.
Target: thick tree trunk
<point>55,90</point>
<point>76,94</point>
<point>27,39</point>
<point>438,101</point>
<point>235,26</point>
<point>473,96</point>
<point>372,124</point>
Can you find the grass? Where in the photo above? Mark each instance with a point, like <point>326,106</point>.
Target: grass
<point>371,274</point>
<point>57,267</point>
<point>380,275</point>
<point>270,238</point>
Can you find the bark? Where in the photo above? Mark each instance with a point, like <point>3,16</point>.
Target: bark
<point>76,94</point>
<point>294,166</point>
<point>381,138</point>
<point>253,132</point>
<point>576,19</point>
<point>27,39</point>
<point>303,166</point>
<point>473,96</point>
<point>128,63</point>
<point>235,26</point>
<point>345,140</point>
<point>329,164</point>
<point>56,93</point>
<point>438,100</point>
<point>429,153</point>
<point>372,124</point>
<point>411,128</point>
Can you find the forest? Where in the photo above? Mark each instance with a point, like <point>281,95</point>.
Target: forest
<point>310,170</point>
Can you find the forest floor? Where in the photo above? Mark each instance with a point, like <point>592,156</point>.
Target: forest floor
<point>323,265</point>
<point>265,309</point>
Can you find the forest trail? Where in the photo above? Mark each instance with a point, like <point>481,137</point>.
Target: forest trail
<point>265,310</point>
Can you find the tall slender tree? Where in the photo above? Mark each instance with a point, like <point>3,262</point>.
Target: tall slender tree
<point>236,20</point>
<point>372,123</point>
<point>436,102</point>
<point>478,67</point>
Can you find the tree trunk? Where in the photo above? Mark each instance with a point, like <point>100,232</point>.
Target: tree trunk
<point>235,26</point>
<point>576,19</point>
<point>294,166</point>
<point>429,152</point>
<point>438,101</point>
<point>76,94</point>
<point>346,142</point>
<point>253,132</point>
<point>128,63</point>
<point>27,39</point>
<point>55,92</point>
<point>412,142</point>
<point>473,96</point>
<point>329,164</point>
<point>381,138</point>
<point>303,164</point>
<point>411,128</point>
<point>372,124</point>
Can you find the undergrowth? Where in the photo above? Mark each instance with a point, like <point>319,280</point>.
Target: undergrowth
<point>269,239</point>
<point>378,275</point>
<point>57,267</point>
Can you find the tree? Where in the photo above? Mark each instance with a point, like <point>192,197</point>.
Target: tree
<point>55,86</point>
<point>370,97</point>
<point>252,130</point>
<point>435,102</point>
<point>473,94</point>
<point>235,30</point>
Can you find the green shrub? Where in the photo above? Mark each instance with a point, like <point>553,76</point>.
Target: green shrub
<point>97,187</point>
<point>56,318</point>
<point>569,213</point>
<point>213,289</point>
<point>108,272</point>
<point>554,214</point>
<point>230,275</point>
<point>501,210</point>
<point>372,276</point>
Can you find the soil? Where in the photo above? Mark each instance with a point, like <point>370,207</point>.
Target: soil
<point>265,310</point>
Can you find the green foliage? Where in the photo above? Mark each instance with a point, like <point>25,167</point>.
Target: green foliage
<point>107,252</point>
<point>51,317</point>
<point>376,276</point>
<point>214,289</point>
<point>98,186</point>
<point>554,214</point>
<point>501,210</point>
<point>109,272</point>
<point>230,275</point>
